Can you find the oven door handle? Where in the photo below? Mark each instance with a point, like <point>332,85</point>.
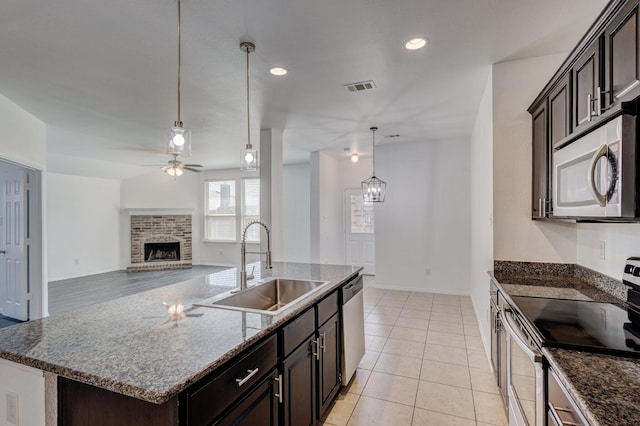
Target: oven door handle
<point>601,199</point>
<point>513,331</point>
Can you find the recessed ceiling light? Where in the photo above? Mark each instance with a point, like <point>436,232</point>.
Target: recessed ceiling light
<point>416,43</point>
<point>278,71</point>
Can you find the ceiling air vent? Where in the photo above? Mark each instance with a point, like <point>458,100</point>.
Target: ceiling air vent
<point>360,86</point>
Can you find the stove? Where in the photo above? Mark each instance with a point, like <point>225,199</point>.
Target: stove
<point>612,328</point>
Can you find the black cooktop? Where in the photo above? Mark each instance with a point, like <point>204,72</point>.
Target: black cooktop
<point>585,325</point>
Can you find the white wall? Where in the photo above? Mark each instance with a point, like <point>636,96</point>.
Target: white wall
<point>424,222</point>
<point>28,384</point>
<point>83,219</point>
<point>482,209</point>
<point>326,235</point>
<point>621,240</point>
<point>516,236</point>
<point>296,217</point>
<point>23,136</point>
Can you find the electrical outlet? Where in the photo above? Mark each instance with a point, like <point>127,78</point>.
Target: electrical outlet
<point>427,272</point>
<point>601,247</point>
<point>12,408</point>
<point>76,261</point>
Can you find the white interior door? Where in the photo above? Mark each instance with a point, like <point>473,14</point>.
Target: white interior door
<point>360,240</point>
<point>12,252</point>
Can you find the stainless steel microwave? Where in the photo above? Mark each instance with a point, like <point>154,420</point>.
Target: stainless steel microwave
<point>595,177</point>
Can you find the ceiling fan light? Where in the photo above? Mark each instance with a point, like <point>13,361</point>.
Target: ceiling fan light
<point>179,141</point>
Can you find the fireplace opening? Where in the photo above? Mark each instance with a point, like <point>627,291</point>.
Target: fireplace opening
<point>160,252</point>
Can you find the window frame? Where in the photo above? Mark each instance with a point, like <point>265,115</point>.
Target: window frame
<point>238,209</point>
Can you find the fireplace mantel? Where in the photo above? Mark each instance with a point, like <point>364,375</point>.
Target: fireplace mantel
<point>158,212</point>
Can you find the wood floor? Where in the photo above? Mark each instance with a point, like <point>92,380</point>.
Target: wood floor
<point>74,293</point>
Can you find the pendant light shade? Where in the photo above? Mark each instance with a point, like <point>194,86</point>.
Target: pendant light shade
<point>374,189</point>
<point>179,138</point>
<point>248,156</point>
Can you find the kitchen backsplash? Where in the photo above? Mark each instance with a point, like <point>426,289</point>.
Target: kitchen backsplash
<point>596,279</point>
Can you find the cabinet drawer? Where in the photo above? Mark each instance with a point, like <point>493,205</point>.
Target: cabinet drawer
<point>208,401</point>
<point>297,331</point>
<point>327,307</point>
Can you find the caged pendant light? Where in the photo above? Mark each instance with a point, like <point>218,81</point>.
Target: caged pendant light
<point>248,156</point>
<point>179,142</point>
<point>374,189</point>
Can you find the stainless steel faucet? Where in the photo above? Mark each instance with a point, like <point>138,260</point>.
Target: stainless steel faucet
<point>243,252</point>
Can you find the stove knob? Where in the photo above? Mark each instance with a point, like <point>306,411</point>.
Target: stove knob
<point>628,269</point>
<point>636,271</point>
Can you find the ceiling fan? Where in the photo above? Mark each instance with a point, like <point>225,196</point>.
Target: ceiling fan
<point>176,167</point>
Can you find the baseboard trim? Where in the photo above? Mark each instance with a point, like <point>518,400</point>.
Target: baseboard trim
<point>423,290</point>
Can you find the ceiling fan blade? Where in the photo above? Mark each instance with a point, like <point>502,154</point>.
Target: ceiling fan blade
<point>190,169</point>
<point>193,165</point>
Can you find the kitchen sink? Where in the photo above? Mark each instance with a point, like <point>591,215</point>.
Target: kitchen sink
<point>270,297</point>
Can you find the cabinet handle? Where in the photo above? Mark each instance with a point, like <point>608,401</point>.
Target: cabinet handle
<point>315,353</point>
<point>589,103</point>
<point>539,207</point>
<point>323,346</point>
<point>252,373</point>
<point>598,102</point>
<point>279,394</point>
<point>556,417</point>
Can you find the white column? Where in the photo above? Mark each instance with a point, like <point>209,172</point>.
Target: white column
<point>270,165</point>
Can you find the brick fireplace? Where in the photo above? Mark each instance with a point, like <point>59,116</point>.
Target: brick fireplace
<point>160,242</point>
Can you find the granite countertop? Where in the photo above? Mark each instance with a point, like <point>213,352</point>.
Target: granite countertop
<point>605,387</point>
<point>133,346</point>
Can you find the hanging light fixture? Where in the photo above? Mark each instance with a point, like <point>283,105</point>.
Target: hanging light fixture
<point>374,189</point>
<point>179,138</point>
<point>248,156</point>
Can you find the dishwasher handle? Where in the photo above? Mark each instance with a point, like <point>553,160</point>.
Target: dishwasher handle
<point>351,289</point>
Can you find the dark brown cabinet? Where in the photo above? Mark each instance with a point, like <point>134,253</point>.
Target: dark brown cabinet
<point>540,163</point>
<point>585,79</point>
<point>311,367</point>
<point>601,73</point>
<point>560,111</point>
<point>299,380</point>
<point>329,371</point>
<point>622,56</point>
<point>258,408</point>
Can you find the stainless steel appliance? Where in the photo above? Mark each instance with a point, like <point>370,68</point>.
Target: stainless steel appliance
<point>561,409</point>
<point>595,176</point>
<point>525,373</point>
<point>352,327</point>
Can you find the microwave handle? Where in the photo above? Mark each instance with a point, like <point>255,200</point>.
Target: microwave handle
<point>601,199</point>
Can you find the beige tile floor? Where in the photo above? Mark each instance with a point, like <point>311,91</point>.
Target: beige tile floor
<point>425,365</point>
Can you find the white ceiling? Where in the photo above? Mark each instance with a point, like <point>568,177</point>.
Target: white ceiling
<point>102,74</point>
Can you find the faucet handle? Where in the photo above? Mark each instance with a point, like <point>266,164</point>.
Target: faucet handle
<point>251,276</point>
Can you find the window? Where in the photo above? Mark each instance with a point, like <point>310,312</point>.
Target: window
<point>224,217</point>
<point>251,208</point>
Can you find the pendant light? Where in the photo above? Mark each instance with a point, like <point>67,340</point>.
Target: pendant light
<point>248,156</point>
<point>179,142</point>
<point>374,189</point>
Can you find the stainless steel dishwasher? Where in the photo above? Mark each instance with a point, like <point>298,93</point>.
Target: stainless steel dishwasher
<point>351,296</point>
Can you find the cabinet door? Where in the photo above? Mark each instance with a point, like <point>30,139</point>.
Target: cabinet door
<point>258,408</point>
<point>560,111</point>
<point>622,65</point>
<point>585,82</point>
<point>540,163</point>
<point>329,371</point>
<point>299,381</point>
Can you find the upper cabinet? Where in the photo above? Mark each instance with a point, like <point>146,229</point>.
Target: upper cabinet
<point>601,73</point>
<point>621,57</point>
<point>585,77</point>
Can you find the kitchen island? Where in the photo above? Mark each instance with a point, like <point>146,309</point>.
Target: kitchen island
<point>604,387</point>
<point>144,347</point>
